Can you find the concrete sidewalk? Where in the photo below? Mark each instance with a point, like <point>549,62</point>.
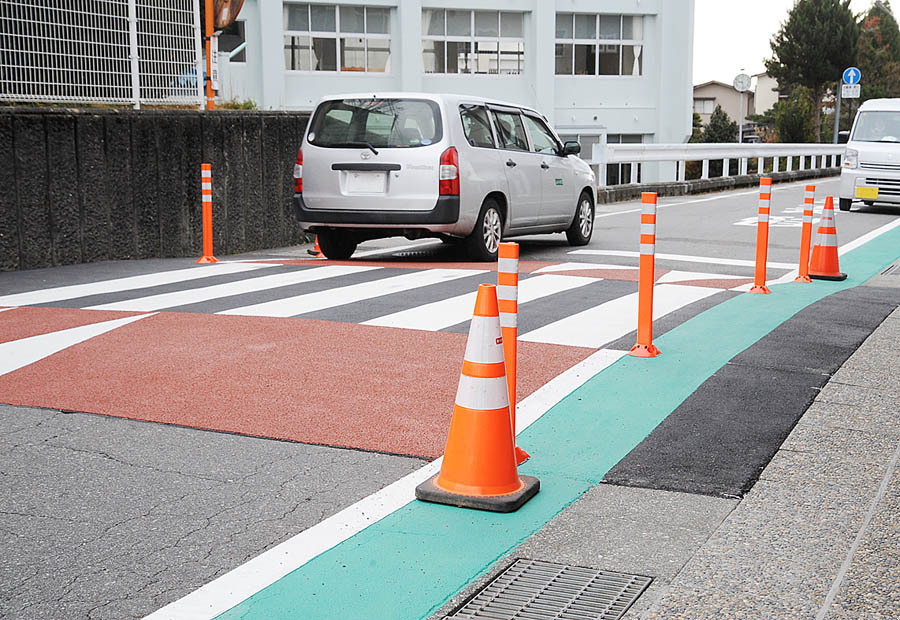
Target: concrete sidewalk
<point>817,535</point>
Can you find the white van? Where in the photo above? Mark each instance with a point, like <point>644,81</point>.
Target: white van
<point>871,167</point>
<point>455,167</point>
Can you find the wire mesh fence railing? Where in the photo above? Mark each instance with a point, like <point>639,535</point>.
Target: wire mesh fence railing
<point>101,51</point>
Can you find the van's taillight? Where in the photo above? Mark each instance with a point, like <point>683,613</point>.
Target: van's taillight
<point>449,176</point>
<point>298,173</point>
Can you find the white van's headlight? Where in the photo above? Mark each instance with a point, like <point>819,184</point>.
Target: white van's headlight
<point>851,158</point>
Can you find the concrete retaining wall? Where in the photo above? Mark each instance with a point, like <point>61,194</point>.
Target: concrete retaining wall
<point>91,185</point>
<point>616,193</point>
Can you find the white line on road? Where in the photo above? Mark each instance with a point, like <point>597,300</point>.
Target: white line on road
<point>609,321</point>
<point>311,302</point>
<point>265,569</point>
<point>20,353</point>
<point>442,314</point>
<point>229,289</point>
<point>74,291</point>
<point>582,267</point>
<point>686,259</point>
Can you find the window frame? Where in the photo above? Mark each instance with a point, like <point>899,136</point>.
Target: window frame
<point>491,128</point>
<point>473,39</point>
<point>494,110</point>
<point>338,35</point>
<point>597,41</point>
<point>542,122</point>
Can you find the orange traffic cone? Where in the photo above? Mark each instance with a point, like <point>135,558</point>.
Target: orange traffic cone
<point>479,468</point>
<point>824,262</point>
<point>316,251</point>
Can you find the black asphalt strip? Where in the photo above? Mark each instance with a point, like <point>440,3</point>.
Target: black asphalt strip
<point>721,437</point>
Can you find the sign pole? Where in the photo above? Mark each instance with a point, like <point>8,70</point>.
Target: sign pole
<point>837,113</point>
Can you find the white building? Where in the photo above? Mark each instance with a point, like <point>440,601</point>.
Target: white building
<point>613,70</point>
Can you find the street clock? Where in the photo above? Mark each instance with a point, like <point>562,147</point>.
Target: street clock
<point>742,82</point>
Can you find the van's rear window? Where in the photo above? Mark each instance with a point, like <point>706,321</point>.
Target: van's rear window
<point>381,123</point>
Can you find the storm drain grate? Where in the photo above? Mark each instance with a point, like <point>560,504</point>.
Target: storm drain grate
<point>537,590</point>
<point>893,270</point>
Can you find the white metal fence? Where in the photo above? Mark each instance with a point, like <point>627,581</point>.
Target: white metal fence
<point>779,156</point>
<point>101,51</point>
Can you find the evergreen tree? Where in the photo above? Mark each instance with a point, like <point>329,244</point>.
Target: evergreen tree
<point>696,129</point>
<point>794,118</point>
<point>720,127</point>
<point>813,47</point>
<point>879,53</point>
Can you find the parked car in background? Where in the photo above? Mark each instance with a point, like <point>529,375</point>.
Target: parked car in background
<point>455,167</point>
<point>871,166</point>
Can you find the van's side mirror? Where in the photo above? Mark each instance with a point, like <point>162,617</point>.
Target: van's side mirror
<point>843,137</point>
<point>571,148</point>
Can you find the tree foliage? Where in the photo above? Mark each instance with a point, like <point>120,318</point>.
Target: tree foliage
<point>794,118</point>
<point>813,47</point>
<point>879,53</point>
<point>720,127</point>
<point>696,128</point>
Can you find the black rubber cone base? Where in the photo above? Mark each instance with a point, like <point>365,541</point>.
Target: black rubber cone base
<point>837,278</point>
<point>429,491</point>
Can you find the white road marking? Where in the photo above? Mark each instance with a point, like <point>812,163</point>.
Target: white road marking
<point>241,583</point>
<point>10,308</point>
<point>686,259</point>
<point>74,291</point>
<point>609,321</point>
<point>311,302</point>
<point>581,267</point>
<point>684,276</point>
<point>240,287</point>
<point>20,353</point>
<point>442,314</point>
<point>400,248</point>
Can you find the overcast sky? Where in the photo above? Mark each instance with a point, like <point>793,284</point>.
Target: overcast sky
<point>731,35</point>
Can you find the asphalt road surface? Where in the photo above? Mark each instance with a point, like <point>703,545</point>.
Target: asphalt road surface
<point>165,423</point>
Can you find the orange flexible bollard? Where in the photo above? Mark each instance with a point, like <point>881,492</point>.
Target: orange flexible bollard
<point>809,198</point>
<point>644,346</point>
<point>479,467</point>
<point>316,251</point>
<point>762,237</point>
<point>508,299</point>
<point>206,196</point>
<point>824,262</point>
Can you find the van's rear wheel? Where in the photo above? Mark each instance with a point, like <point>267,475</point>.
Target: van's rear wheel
<point>844,204</point>
<point>337,244</point>
<point>579,233</point>
<point>484,242</point>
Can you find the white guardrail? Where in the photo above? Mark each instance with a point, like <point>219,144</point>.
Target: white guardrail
<point>781,155</point>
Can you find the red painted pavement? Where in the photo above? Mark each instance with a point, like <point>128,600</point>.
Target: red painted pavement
<point>322,382</point>
<point>33,321</point>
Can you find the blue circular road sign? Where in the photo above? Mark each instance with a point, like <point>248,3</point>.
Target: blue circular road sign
<point>851,75</point>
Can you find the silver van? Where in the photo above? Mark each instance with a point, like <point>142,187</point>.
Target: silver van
<point>455,167</point>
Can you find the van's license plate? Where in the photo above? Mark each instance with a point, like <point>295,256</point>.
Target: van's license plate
<point>365,182</point>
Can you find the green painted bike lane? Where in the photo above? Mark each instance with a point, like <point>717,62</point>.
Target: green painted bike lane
<point>410,563</point>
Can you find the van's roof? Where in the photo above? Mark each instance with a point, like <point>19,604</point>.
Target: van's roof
<point>881,104</point>
<point>445,97</point>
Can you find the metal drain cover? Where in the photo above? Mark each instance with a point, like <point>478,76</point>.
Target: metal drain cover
<point>537,590</point>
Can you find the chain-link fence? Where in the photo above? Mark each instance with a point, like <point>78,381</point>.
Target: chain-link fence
<point>101,51</point>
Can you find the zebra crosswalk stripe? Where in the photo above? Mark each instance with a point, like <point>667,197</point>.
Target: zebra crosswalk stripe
<point>600,325</point>
<point>240,287</point>
<point>146,280</point>
<point>445,313</point>
<point>311,302</point>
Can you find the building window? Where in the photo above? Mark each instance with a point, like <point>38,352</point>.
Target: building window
<point>704,106</point>
<point>591,44</point>
<point>486,42</point>
<point>232,38</point>
<point>327,37</point>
